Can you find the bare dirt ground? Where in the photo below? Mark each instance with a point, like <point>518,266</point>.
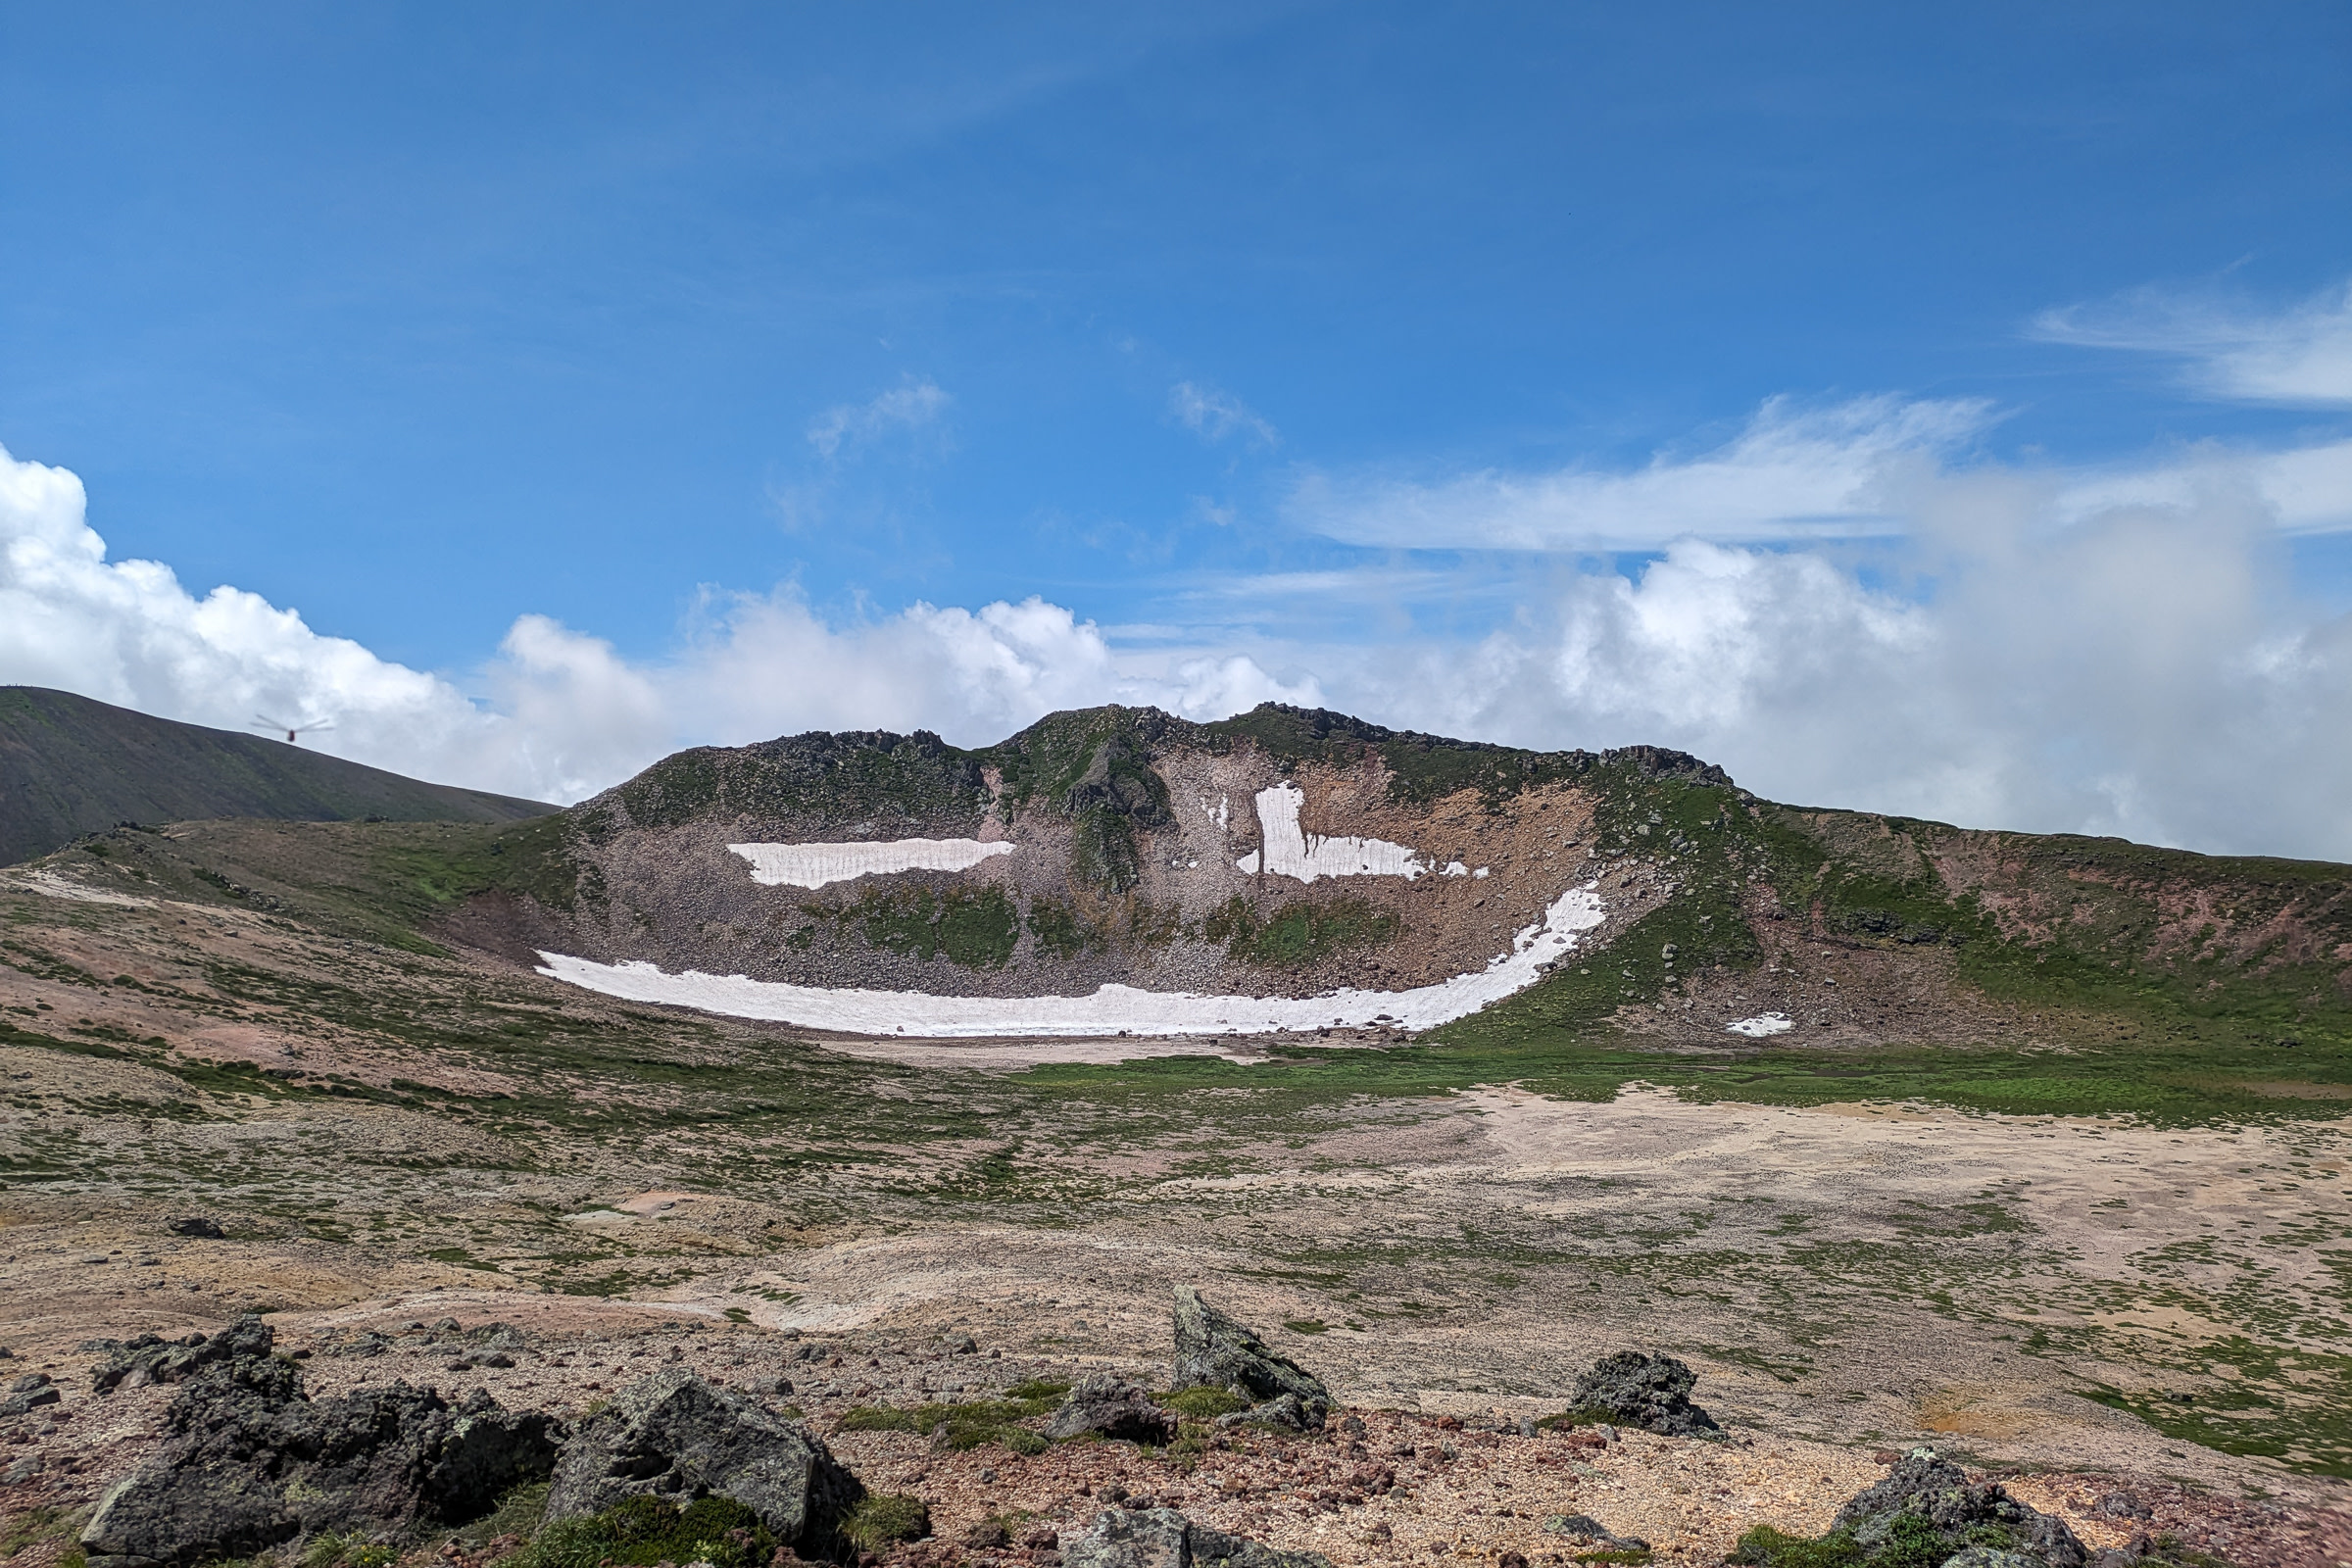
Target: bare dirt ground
<point>389,1138</point>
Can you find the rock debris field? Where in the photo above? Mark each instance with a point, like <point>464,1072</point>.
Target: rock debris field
<point>615,1401</point>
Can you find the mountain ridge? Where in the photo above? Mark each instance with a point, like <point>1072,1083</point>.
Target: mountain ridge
<point>1719,907</point>
<point>72,764</point>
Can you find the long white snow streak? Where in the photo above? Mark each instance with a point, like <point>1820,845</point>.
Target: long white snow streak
<point>1108,1011</point>
<point>812,866</point>
<point>1291,851</point>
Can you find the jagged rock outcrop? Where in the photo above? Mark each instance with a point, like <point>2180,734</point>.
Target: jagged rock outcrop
<point>677,1436</point>
<point>250,1462</point>
<point>149,1359</point>
<point>1641,1390</point>
<point>1214,1351</point>
<point>1162,1538</point>
<point>1109,1404</point>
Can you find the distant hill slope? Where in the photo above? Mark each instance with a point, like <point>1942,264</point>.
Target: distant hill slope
<point>70,765</point>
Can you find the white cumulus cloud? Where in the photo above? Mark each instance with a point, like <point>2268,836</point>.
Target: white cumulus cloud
<point>563,713</point>
<point>2145,671</point>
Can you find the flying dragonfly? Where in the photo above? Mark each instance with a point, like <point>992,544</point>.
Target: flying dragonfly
<point>310,726</point>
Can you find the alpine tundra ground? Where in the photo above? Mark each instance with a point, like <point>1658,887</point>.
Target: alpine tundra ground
<point>2149,1297</point>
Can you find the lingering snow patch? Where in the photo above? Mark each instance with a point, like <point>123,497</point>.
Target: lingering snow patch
<point>1480,872</point>
<point>812,866</point>
<point>1762,1024</point>
<point>1108,1009</point>
<point>1455,868</point>
<point>1290,852</point>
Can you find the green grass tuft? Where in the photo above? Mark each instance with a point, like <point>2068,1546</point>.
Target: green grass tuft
<point>883,1519</point>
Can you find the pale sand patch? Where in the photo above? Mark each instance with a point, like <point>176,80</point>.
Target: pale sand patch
<point>49,884</point>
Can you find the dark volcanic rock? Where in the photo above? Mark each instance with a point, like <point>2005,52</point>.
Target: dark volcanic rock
<point>1214,1351</point>
<point>1925,1487</point>
<point>676,1436</point>
<point>196,1225</point>
<point>1107,1404</point>
<point>29,1393</point>
<point>251,1463</point>
<point>1162,1538</point>
<point>134,1363</point>
<point>1649,1391</point>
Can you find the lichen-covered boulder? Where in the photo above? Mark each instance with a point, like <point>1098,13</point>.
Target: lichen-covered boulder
<point>1216,1351</point>
<point>677,1436</point>
<point>1649,1391</point>
<point>1926,1489</point>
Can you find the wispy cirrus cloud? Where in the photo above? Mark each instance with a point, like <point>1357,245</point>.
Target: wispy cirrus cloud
<point>844,428</point>
<point>1215,414</point>
<point>1792,473</point>
<point>2298,355</point>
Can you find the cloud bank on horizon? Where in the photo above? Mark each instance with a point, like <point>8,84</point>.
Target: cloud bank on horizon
<point>2107,652</point>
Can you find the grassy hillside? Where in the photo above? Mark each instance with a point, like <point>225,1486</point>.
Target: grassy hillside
<point>69,765</point>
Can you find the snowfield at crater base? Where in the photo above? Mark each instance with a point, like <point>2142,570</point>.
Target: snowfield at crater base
<point>1109,1009</point>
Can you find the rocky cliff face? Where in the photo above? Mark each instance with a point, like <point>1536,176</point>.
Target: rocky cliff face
<point>1281,855</point>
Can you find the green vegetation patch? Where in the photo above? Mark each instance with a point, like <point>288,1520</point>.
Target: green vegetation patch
<point>644,1531</point>
<point>975,927</point>
<point>1299,933</point>
<point>1204,1405</point>
<point>883,1519</point>
<point>2280,1402</point>
<point>967,1424</point>
<point>1059,930</point>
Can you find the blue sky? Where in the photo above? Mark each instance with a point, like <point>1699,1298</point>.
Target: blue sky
<point>1310,335</point>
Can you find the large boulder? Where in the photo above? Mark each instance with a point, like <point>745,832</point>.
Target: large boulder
<point>1216,1351</point>
<point>1926,1493</point>
<point>1649,1391</point>
<point>1162,1538</point>
<point>250,1462</point>
<point>1105,1403</point>
<point>679,1437</point>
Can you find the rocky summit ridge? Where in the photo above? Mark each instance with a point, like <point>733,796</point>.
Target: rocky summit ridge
<point>1296,854</point>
